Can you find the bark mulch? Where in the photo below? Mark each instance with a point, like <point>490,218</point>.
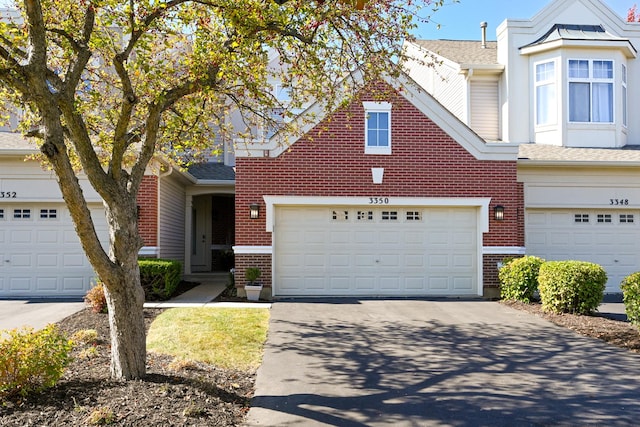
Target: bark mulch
<point>172,394</point>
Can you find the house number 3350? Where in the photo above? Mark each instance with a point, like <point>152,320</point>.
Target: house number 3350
<point>378,200</point>
<point>619,202</point>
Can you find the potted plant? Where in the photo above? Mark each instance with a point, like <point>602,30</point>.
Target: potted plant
<point>253,287</point>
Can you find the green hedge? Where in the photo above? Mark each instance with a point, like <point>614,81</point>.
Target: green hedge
<point>631,297</point>
<point>159,278</point>
<point>519,278</point>
<point>571,286</point>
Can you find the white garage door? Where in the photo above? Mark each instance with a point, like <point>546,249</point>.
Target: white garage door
<point>40,253</point>
<point>606,237</point>
<point>342,251</point>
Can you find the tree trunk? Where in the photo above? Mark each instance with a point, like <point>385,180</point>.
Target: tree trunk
<point>125,299</point>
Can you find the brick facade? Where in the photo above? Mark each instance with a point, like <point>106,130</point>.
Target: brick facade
<point>425,162</point>
<point>148,211</point>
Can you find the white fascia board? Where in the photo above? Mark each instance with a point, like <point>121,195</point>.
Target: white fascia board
<point>480,202</point>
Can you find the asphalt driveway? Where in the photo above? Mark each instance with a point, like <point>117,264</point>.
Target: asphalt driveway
<point>350,362</point>
<point>35,313</point>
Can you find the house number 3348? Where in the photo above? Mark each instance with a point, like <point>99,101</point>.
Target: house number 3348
<point>619,202</point>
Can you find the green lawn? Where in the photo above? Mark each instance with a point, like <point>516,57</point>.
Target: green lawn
<point>225,337</point>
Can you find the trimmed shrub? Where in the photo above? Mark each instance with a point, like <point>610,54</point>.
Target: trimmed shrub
<point>631,297</point>
<point>519,278</point>
<point>571,286</point>
<point>31,361</point>
<point>95,298</point>
<point>159,278</point>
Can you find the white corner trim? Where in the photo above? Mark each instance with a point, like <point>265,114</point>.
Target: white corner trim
<point>479,202</point>
<point>149,251</point>
<point>503,250</point>
<point>252,250</point>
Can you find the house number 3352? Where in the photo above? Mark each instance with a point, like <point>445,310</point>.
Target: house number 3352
<point>619,202</point>
<point>8,194</point>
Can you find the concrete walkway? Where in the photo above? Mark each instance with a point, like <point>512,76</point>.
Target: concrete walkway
<point>352,362</point>
<point>18,313</point>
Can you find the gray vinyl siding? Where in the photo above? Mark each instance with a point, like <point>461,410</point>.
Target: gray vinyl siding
<point>171,221</point>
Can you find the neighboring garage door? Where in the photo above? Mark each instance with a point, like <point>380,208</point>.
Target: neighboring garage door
<point>40,253</point>
<point>351,251</point>
<point>606,237</point>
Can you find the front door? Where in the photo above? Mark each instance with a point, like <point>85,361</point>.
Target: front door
<point>201,234</point>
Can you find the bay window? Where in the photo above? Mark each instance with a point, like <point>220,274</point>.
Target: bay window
<point>590,91</point>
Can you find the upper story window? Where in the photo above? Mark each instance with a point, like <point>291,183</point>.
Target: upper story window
<point>590,91</point>
<point>624,95</point>
<point>377,127</point>
<point>545,86</point>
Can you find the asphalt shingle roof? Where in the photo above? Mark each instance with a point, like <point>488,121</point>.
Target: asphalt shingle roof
<point>552,153</point>
<point>212,171</point>
<point>463,51</point>
<point>15,141</point>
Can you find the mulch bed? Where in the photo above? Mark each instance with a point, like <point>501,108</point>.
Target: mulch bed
<point>619,333</point>
<point>178,394</point>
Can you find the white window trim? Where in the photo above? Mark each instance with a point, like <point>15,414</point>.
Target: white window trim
<point>591,80</point>
<point>551,82</point>
<point>376,107</point>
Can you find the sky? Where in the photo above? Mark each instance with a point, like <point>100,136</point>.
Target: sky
<point>461,21</point>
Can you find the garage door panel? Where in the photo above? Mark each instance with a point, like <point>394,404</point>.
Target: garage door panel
<point>463,261</point>
<point>74,260</point>
<point>20,236</point>
<point>389,260</point>
<point>375,251</point>
<point>439,238</point>
<point>46,260</point>
<point>463,283</point>
<point>439,261</point>
<point>439,283</point>
<point>20,284</point>
<point>582,234</point>
<point>21,260</point>
<point>42,252</point>
<point>390,283</point>
<point>48,237</point>
<point>74,284</point>
<point>46,284</point>
<point>365,283</point>
<point>414,261</point>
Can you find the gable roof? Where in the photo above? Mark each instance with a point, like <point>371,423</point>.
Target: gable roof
<point>468,52</point>
<point>418,97</point>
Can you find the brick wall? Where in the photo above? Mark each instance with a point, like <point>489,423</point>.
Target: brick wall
<point>148,213</point>
<point>425,162</point>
